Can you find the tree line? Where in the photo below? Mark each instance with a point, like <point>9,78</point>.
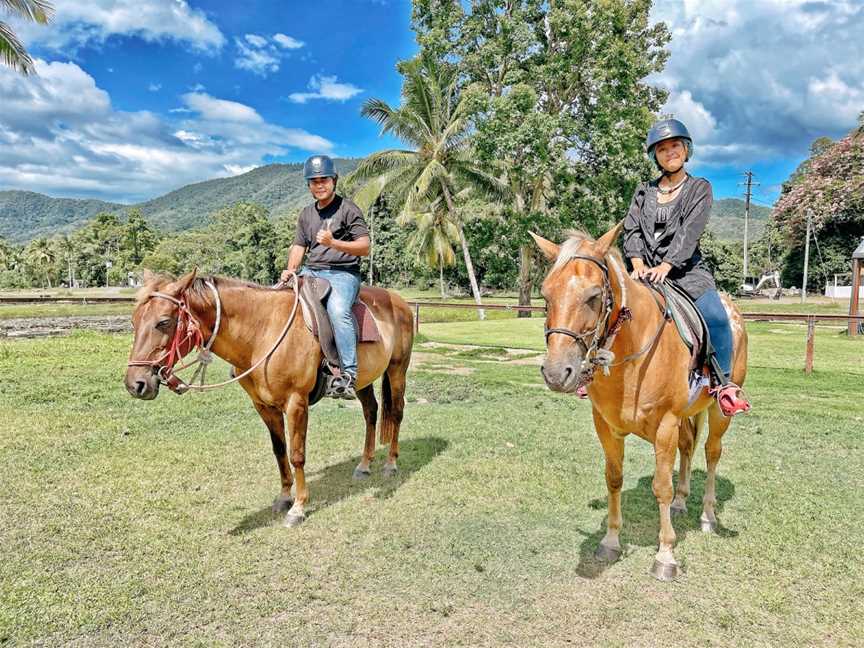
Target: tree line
<point>515,116</point>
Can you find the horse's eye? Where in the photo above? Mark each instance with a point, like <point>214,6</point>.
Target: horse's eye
<point>164,323</point>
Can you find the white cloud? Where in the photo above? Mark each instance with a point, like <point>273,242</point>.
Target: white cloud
<point>220,109</point>
<point>61,135</point>
<point>154,87</point>
<point>77,24</point>
<point>325,87</point>
<point>760,80</point>
<point>263,56</point>
<point>287,42</point>
<point>255,40</point>
<point>236,169</point>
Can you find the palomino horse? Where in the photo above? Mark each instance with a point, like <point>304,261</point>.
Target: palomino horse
<point>253,319</point>
<point>643,388</point>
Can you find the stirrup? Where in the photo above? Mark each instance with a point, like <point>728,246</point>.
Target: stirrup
<point>731,399</point>
<point>342,386</point>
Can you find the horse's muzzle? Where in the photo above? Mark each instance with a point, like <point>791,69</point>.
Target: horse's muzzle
<point>142,383</point>
<point>563,376</point>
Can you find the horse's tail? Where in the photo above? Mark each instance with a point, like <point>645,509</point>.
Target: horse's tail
<point>385,425</point>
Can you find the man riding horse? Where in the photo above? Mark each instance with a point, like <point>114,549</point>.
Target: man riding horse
<point>333,231</point>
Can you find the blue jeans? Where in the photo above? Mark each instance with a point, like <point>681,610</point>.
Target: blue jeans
<point>344,289</point>
<point>712,310</point>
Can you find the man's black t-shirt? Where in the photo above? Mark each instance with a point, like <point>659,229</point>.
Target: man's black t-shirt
<point>345,220</point>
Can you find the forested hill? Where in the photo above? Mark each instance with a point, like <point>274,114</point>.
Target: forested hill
<point>727,219</point>
<point>278,187</point>
<point>25,215</point>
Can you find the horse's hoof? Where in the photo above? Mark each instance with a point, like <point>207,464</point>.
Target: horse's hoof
<point>294,520</point>
<point>282,504</point>
<point>664,571</point>
<point>361,473</point>
<point>607,554</point>
<point>708,526</point>
<point>678,509</point>
<point>390,470</point>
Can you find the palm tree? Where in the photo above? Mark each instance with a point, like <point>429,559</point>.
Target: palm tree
<point>433,237</point>
<point>12,51</point>
<point>433,120</point>
<point>39,255</point>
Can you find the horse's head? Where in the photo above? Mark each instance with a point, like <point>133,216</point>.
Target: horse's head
<point>578,297</point>
<point>162,333</point>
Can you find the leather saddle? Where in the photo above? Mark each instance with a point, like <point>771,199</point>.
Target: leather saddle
<point>682,310</point>
<point>314,292</point>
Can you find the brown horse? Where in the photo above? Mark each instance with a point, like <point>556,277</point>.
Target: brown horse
<point>644,387</point>
<point>252,319</point>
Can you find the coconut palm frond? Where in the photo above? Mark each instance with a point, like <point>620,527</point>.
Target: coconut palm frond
<point>12,51</point>
<point>392,121</point>
<point>380,163</point>
<point>38,11</point>
<point>485,184</point>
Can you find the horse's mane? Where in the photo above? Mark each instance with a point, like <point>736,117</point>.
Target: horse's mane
<point>155,282</point>
<point>575,239</point>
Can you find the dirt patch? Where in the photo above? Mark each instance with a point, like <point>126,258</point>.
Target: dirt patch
<point>31,327</point>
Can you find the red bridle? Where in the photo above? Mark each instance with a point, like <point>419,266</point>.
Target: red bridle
<point>187,336</point>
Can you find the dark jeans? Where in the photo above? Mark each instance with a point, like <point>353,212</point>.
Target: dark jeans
<point>712,310</point>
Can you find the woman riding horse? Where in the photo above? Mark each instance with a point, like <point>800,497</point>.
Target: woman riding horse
<point>666,219</point>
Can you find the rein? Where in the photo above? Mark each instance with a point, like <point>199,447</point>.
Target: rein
<point>188,336</point>
<point>599,353</point>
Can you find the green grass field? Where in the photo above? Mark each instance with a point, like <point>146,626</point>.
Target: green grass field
<point>132,523</point>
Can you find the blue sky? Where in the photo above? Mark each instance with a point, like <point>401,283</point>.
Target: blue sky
<point>135,98</point>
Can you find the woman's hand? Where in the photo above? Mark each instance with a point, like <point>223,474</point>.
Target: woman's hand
<point>658,273</point>
<point>638,268</point>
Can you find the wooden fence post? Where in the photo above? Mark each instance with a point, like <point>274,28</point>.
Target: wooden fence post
<point>811,334</point>
<point>416,317</point>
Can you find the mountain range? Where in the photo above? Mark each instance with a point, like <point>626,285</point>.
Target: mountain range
<point>25,215</point>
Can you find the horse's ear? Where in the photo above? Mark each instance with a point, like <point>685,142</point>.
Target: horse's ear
<point>148,276</point>
<point>182,283</point>
<point>550,250</point>
<point>601,247</point>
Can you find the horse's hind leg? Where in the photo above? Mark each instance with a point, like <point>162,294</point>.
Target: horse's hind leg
<point>370,413</point>
<point>393,399</point>
<point>273,419</point>
<point>717,426</point>
<point>688,435</point>
<point>613,448</point>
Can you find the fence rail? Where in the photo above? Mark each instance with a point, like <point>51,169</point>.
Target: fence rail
<point>810,319</point>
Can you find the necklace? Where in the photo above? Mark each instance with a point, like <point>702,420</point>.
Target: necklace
<point>672,189</point>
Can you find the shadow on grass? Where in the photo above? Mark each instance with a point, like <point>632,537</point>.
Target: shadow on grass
<point>642,519</point>
<point>335,483</point>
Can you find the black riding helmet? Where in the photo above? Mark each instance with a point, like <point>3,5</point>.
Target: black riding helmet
<point>667,129</point>
<point>319,166</point>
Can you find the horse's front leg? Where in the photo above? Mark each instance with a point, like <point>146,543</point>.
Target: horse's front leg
<point>275,422</point>
<point>613,448</point>
<point>297,415</point>
<point>665,444</point>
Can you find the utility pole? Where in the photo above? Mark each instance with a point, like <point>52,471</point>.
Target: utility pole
<point>749,184</point>
<point>806,258</point>
<point>372,245</point>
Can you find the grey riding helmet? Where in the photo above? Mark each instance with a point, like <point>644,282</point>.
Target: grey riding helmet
<point>667,129</point>
<point>319,166</point>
